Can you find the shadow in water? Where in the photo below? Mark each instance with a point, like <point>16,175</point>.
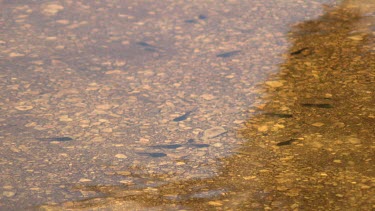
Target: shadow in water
<point>310,146</point>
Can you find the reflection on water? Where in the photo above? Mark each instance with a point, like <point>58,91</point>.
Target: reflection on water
<point>129,105</point>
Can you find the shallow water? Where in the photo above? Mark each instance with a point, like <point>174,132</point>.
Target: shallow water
<point>176,105</point>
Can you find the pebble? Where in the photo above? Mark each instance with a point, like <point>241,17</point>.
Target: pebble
<point>8,193</point>
<point>7,187</point>
<point>51,9</point>
<point>112,72</point>
<point>124,173</point>
<point>107,130</point>
<point>213,132</point>
<point>13,54</point>
<point>317,124</point>
<point>121,156</point>
<point>356,37</point>
<point>65,118</point>
<point>144,140</point>
<point>215,203</point>
<point>274,84</point>
<point>208,96</point>
<point>339,124</point>
<point>85,180</point>
<point>249,177</point>
<point>127,182</point>
<point>63,21</point>
<point>316,144</point>
<point>262,128</point>
<point>353,140</point>
<point>104,106</point>
<point>24,108</point>
<point>365,187</point>
<point>217,145</point>
<point>97,139</point>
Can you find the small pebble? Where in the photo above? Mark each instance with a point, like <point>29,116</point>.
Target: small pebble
<point>213,132</point>
<point>317,124</point>
<point>215,203</point>
<point>274,84</point>
<point>85,180</point>
<point>217,145</point>
<point>8,193</point>
<point>24,108</point>
<point>121,156</point>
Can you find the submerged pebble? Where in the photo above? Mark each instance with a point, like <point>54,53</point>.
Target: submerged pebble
<point>317,105</point>
<point>213,132</point>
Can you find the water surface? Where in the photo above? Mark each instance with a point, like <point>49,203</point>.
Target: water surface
<point>135,103</point>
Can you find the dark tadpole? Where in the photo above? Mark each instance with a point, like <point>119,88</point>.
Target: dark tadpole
<point>298,51</point>
<point>185,116</point>
<point>202,17</point>
<point>144,44</point>
<point>200,145</point>
<point>153,154</point>
<point>284,143</point>
<point>190,21</point>
<point>279,115</point>
<point>168,146</point>
<point>228,54</point>
<point>147,46</point>
<point>191,143</point>
<point>61,139</point>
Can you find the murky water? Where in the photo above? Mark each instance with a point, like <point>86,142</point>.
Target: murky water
<point>187,105</point>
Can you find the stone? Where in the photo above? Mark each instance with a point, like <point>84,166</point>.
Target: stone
<point>65,118</point>
<point>13,54</point>
<point>215,203</point>
<point>51,9</point>
<point>24,108</point>
<point>337,161</point>
<point>112,72</point>
<point>85,180</point>
<point>208,96</point>
<point>98,139</point>
<point>217,145</point>
<point>358,37</point>
<point>213,132</point>
<point>8,193</point>
<point>262,128</point>
<point>354,140</point>
<point>317,124</point>
<point>104,106</point>
<point>274,84</point>
<point>121,156</point>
